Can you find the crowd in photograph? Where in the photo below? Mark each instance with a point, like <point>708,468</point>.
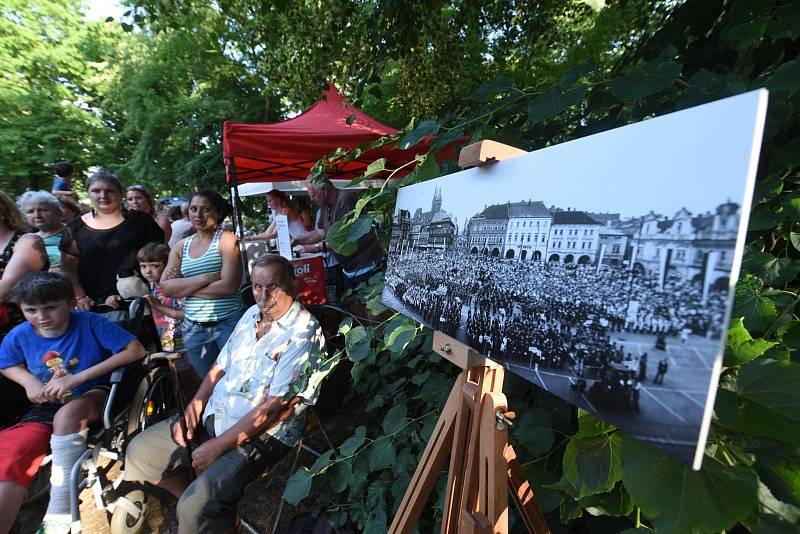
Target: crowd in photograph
<point>553,314</point>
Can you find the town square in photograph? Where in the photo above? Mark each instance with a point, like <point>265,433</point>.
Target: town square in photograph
<point>600,270</point>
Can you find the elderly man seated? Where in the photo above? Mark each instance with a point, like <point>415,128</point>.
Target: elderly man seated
<point>247,413</point>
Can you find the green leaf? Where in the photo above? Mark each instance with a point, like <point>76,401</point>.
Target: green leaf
<point>424,129</point>
<point>677,500</point>
<point>339,475</point>
<point>357,342</point>
<point>778,466</point>
<point>589,425</point>
<point>763,218</point>
<point>790,334</point>
<point>770,389</point>
<point>533,432</point>
<point>774,271</point>
<point>592,464</point>
<point>399,333</point>
<point>740,347</point>
<point>395,419</point>
<point>429,168</point>
<point>298,486</point>
<point>381,454</point>
<point>322,462</point>
<point>500,85</point>
<point>343,235</point>
<point>758,311</point>
<point>553,102</point>
<point>646,79</point>
<point>355,441</point>
<point>791,207</point>
<point>613,503</point>
<point>786,77</point>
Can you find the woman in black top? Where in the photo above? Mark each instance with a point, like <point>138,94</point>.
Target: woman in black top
<point>101,245</point>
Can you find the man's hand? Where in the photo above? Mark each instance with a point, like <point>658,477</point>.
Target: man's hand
<point>113,301</point>
<point>85,303</point>
<point>35,392</point>
<point>205,455</point>
<point>60,387</point>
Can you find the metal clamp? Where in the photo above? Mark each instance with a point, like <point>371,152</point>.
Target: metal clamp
<point>446,348</point>
<point>504,419</point>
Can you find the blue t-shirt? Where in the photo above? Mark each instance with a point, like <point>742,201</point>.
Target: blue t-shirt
<point>60,184</point>
<point>89,340</point>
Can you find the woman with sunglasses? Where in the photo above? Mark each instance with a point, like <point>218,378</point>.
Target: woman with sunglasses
<point>138,198</point>
<point>205,268</point>
<point>100,246</point>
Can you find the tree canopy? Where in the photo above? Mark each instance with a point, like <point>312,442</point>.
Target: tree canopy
<point>146,96</point>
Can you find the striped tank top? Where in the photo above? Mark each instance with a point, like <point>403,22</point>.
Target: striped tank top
<point>200,309</point>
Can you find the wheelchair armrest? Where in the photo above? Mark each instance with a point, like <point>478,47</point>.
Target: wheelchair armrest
<point>116,376</point>
<point>169,356</point>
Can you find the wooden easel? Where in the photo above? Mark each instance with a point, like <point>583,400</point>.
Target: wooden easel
<point>473,430</point>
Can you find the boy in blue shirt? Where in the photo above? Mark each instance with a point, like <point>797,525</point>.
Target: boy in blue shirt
<point>62,358</point>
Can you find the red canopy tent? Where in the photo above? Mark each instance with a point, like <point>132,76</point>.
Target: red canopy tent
<point>286,151</point>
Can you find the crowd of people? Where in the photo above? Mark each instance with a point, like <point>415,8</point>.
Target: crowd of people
<point>60,264</point>
<point>548,314</point>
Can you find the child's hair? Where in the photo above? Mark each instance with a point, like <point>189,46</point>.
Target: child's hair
<point>63,169</point>
<point>153,252</point>
<point>42,288</point>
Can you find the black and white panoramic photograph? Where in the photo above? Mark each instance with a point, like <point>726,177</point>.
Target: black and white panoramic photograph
<point>601,269</point>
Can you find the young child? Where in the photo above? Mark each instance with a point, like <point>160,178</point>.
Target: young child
<point>62,187</point>
<point>167,311</point>
<point>62,358</point>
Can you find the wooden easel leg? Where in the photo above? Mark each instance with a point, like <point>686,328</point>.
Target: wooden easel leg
<point>430,464</point>
<point>523,496</point>
<point>476,468</point>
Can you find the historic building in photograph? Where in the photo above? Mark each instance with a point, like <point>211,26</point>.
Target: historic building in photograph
<point>574,238</point>
<point>433,229</point>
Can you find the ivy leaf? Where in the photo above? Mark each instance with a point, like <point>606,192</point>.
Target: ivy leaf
<point>424,129</point>
<point>381,454</point>
<point>678,500</point>
<point>395,419</point>
<point>592,463</point>
<point>352,443</point>
<point>339,475</point>
<point>774,271</point>
<point>646,79</point>
<point>790,334</point>
<point>553,102</point>
<point>298,486</point>
<point>357,342</point>
<point>786,77</point>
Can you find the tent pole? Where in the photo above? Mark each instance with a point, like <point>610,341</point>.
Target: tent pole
<point>238,222</point>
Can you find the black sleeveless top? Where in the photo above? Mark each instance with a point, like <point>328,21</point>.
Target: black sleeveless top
<point>10,316</point>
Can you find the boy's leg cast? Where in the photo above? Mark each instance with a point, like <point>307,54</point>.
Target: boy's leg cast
<point>70,430</point>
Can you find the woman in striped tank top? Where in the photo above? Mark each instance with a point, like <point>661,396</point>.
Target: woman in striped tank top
<point>205,269</point>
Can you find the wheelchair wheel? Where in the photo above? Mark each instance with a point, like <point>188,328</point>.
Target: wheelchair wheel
<point>123,521</point>
<point>154,400</point>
